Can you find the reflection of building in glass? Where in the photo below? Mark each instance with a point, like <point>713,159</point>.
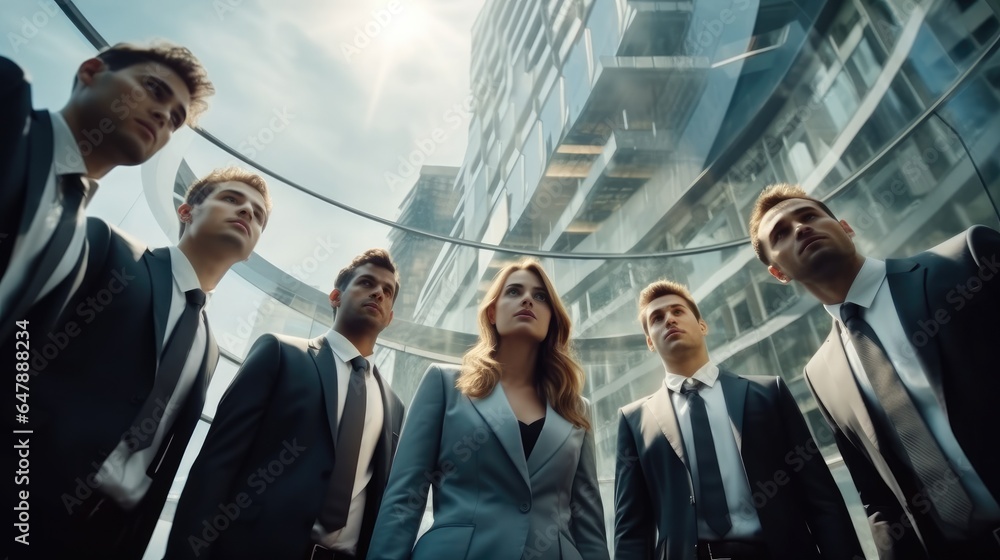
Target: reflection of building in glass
<point>648,128</point>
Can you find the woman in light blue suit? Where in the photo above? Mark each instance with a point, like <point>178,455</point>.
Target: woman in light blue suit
<point>503,443</point>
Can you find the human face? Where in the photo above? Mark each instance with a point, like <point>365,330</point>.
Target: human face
<point>802,241</point>
<point>367,300</point>
<point>523,308</point>
<point>673,328</point>
<point>127,115</point>
<point>233,217</point>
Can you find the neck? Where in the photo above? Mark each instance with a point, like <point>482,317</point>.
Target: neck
<point>359,337</point>
<point>517,359</point>
<point>98,164</point>
<point>831,285</point>
<point>210,267</point>
<point>686,363</point>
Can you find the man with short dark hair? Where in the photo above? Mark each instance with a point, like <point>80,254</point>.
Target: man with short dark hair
<point>125,104</point>
<point>320,411</point>
<point>907,376</point>
<point>716,465</point>
<point>118,388</point>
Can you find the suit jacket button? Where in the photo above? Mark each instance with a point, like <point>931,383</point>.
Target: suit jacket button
<point>137,399</point>
<point>525,507</point>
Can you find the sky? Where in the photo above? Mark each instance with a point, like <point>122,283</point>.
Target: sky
<point>332,95</point>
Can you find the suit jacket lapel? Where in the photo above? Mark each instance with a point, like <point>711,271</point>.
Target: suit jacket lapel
<point>322,356</point>
<point>907,281</point>
<point>555,431</point>
<point>383,449</point>
<point>40,158</point>
<point>498,415</point>
<point>735,390</point>
<point>663,410</point>
<point>161,279</point>
<point>833,381</point>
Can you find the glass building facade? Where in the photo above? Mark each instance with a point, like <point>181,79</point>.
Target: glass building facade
<point>621,142</point>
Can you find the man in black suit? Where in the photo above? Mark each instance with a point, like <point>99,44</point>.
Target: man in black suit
<point>126,103</point>
<point>119,388</point>
<point>907,376</point>
<point>716,465</point>
<point>298,455</point>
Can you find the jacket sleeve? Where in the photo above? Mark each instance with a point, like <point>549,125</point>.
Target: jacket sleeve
<point>225,449</point>
<point>634,529</point>
<point>406,493</point>
<point>587,525</point>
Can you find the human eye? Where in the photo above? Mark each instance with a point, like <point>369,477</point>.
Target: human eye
<point>542,297</point>
<point>511,291</point>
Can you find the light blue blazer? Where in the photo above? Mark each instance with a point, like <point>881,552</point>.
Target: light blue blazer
<point>489,502</point>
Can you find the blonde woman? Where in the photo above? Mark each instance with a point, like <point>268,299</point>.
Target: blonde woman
<point>504,443</point>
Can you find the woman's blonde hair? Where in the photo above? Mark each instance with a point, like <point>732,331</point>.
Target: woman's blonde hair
<point>557,372</point>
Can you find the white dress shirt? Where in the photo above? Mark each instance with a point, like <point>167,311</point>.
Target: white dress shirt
<point>743,514</point>
<point>870,291</point>
<point>346,538</point>
<point>43,223</point>
<point>123,476</point>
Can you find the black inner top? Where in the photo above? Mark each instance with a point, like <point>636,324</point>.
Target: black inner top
<point>529,434</point>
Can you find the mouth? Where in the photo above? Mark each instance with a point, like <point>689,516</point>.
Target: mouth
<point>525,313</point>
<point>671,332</point>
<point>372,306</point>
<point>242,225</point>
<point>149,128</point>
<point>809,241</point>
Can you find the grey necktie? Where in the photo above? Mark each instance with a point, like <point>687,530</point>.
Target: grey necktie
<point>933,471</point>
<point>341,487</point>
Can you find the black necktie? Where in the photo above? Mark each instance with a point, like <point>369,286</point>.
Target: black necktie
<point>72,190</point>
<point>713,506</point>
<point>929,463</point>
<point>340,491</point>
<point>168,373</point>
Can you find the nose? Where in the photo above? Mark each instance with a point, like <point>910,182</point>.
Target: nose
<point>245,212</point>
<point>802,229</point>
<point>526,300</point>
<point>160,116</point>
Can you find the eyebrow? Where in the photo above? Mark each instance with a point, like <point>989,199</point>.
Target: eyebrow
<point>170,92</point>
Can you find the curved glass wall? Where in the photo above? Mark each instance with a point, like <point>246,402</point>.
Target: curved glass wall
<point>619,141</point>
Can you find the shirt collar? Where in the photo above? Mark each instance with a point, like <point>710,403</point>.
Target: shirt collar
<point>66,155</point>
<point>184,275</point>
<point>864,288</point>
<point>707,374</point>
<point>343,348</point>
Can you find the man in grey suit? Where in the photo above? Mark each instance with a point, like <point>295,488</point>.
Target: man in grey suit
<point>715,465</point>
<point>298,455</point>
<point>907,377</point>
